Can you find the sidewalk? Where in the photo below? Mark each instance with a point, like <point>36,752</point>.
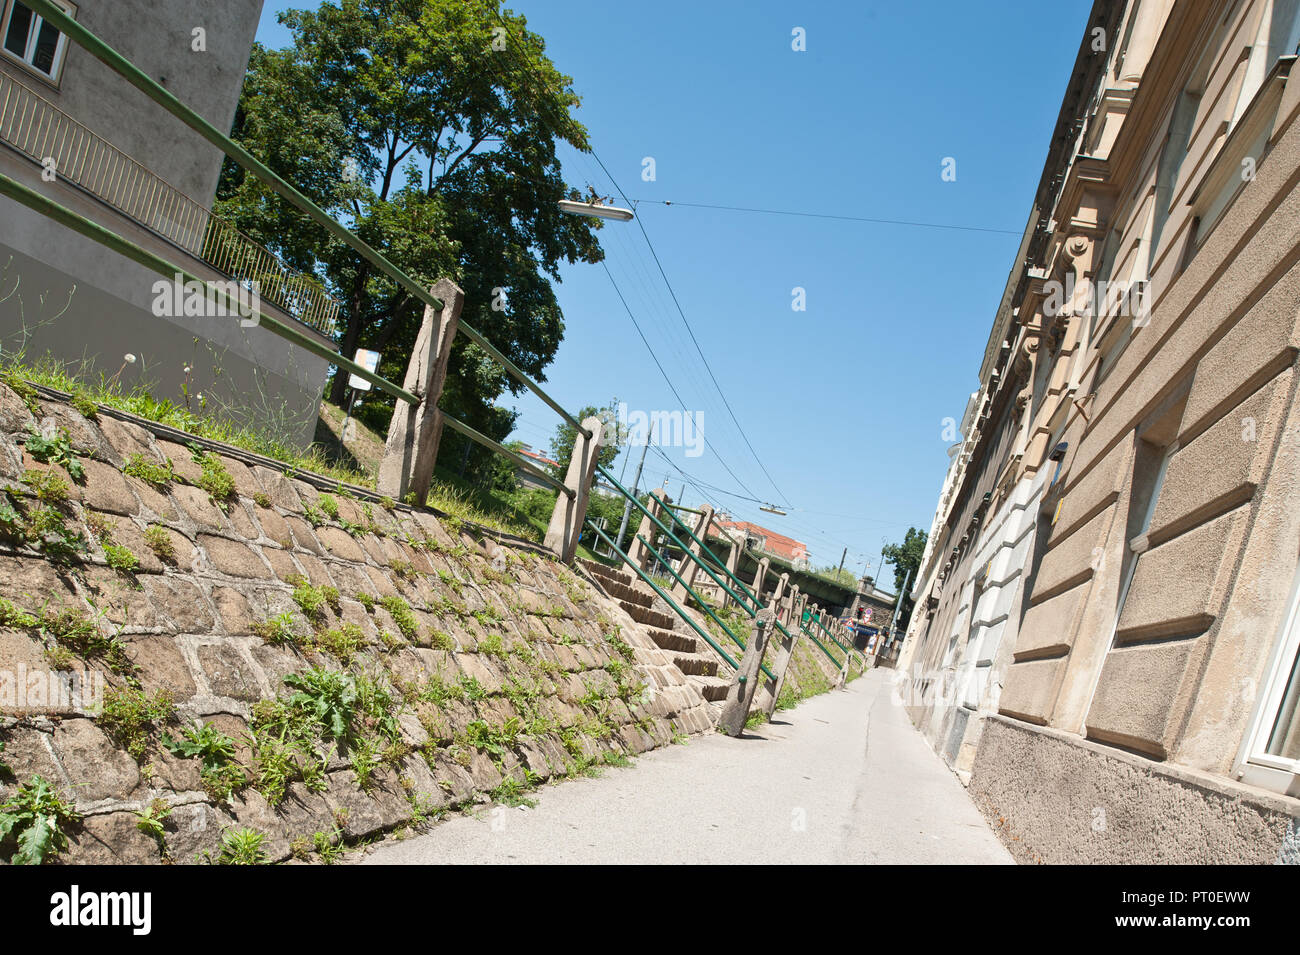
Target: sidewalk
<point>843,778</point>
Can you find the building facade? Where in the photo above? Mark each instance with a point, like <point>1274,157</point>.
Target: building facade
<point>74,131</point>
<point>769,540</point>
<point>1106,636</point>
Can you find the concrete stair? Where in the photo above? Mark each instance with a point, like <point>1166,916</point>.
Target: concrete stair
<point>697,661</point>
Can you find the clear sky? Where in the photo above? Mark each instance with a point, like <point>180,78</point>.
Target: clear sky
<point>844,401</point>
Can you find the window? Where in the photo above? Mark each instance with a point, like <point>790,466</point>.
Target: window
<point>28,38</point>
<point>1273,749</point>
<point>1171,164</point>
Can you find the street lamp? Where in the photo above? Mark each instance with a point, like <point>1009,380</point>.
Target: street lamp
<point>596,210</point>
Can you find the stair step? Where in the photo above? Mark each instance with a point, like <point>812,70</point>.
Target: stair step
<point>695,664</point>
<point>622,592</point>
<point>606,572</point>
<point>672,641</point>
<point>712,688</point>
<point>648,616</point>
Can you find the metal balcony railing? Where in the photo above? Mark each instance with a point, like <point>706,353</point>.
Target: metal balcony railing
<point>38,129</point>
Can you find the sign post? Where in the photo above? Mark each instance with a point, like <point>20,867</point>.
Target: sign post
<point>369,360</point>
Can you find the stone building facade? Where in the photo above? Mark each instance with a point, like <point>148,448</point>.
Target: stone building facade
<point>1105,643</point>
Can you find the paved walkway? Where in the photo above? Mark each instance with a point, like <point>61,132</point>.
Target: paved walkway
<point>843,778</point>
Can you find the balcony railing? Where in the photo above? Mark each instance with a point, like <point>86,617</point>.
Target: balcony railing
<point>41,131</point>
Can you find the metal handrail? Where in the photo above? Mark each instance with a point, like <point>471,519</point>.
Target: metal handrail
<point>505,452</point>
<point>77,33</point>
<point>709,611</point>
<point>155,263</point>
<point>39,130</point>
<point>672,537</point>
<point>659,590</point>
<point>705,549</point>
<point>820,646</point>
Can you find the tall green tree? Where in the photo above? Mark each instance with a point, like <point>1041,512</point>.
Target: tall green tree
<point>906,558</point>
<point>430,127</point>
<point>566,436</point>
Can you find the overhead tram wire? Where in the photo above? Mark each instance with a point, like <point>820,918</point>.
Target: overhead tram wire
<point>625,305</point>
<point>827,215</point>
<point>524,54</point>
<point>686,323</point>
<point>682,312</point>
<point>658,312</point>
<point>659,365</point>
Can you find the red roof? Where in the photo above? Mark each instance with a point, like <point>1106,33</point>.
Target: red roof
<point>539,457</point>
<point>779,544</point>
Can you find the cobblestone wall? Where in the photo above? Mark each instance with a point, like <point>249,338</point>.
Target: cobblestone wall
<point>367,665</point>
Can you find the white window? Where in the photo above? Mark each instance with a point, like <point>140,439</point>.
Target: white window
<point>1278,35</point>
<point>28,38</point>
<point>1273,749</point>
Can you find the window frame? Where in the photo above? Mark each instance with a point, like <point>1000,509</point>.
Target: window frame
<point>1255,765</point>
<point>60,48</point>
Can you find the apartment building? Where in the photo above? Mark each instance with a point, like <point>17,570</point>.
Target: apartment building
<point>74,131</point>
<point>1108,623</point>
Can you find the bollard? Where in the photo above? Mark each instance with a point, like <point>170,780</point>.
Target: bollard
<point>566,520</point>
<point>740,696</point>
<point>415,431</point>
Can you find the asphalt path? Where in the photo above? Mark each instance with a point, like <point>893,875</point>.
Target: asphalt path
<point>842,778</point>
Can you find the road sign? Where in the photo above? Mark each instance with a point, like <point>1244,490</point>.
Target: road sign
<point>369,360</point>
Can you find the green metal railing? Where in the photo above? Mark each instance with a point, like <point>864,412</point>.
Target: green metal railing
<point>518,460</point>
<point>820,646</point>
<point>705,550</point>
<point>704,634</point>
<point>614,482</point>
<point>155,263</point>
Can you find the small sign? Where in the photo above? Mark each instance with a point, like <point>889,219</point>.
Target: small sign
<point>369,360</point>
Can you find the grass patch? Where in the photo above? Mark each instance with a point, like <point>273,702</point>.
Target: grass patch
<point>130,716</point>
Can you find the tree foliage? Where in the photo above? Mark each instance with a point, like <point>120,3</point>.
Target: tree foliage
<point>433,135</point>
<point>566,436</point>
<point>906,558</point>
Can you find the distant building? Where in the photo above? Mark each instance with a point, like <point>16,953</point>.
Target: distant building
<point>768,540</point>
<point>541,461</point>
<point>74,131</point>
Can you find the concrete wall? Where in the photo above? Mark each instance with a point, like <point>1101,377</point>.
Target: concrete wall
<point>79,301</point>
<point>157,39</point>
<point>1054,798</point>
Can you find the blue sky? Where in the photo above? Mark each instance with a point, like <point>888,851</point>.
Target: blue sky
<point>844,402</point>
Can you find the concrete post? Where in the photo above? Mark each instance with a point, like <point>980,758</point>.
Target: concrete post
<point>570,512</point>
<point>760,575</point>
<point>791,604</point>
<point>733,561</point>
<point>415,431</point>
<point>844,672</point>
<point>637,552</point>
<point>687,567</point>
<point>784,653</point>
<point>735,711</point>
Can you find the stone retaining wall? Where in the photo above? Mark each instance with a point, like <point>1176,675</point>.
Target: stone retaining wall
<point>503,667</point>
